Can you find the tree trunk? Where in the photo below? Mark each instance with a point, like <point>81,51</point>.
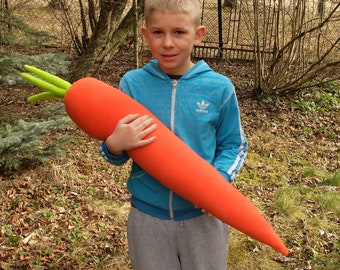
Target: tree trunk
<point>112,31</point>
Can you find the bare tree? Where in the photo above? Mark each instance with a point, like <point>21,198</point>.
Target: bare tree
<point>306,51</point>
<point>103,28</point>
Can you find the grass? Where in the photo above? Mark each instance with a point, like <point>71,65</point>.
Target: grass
<point>293,177</point>
<point>333,180</point>
<point>288,201</point>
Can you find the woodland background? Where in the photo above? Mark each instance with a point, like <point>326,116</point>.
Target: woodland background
<point>63,207</point>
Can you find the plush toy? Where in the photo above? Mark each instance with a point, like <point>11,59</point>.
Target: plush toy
<point>96,107</point>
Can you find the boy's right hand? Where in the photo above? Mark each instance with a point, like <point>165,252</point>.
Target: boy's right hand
<point>130,132</point>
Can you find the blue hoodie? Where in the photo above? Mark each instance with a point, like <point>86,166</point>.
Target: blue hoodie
<point>201,108</point>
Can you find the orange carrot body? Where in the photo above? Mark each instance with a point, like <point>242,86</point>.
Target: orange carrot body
<point>96,107</point>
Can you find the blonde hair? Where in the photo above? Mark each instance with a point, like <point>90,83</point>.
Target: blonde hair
<point>191,7</point>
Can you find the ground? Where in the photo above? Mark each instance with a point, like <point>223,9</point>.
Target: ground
<point>70,213</point>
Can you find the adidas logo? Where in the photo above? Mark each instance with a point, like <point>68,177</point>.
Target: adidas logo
<point>202,107</point>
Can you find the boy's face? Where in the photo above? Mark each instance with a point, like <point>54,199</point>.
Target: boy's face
<point>171,37</point>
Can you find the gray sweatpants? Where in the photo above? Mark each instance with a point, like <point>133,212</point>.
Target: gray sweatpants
<point>195,244</point>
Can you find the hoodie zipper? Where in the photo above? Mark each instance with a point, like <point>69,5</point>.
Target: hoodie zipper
<point>172,127</point>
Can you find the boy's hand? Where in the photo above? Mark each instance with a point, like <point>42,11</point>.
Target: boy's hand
<point>130,132</point>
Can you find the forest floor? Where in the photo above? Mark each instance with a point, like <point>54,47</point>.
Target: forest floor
<point>70,213</point>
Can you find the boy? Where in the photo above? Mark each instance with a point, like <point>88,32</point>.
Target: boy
<point>166,232</point>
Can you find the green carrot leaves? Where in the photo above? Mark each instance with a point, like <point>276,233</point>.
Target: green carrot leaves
<point>44,84</point>
<point>55,86</point>
<point>55,80</point>
<point>42,96</point>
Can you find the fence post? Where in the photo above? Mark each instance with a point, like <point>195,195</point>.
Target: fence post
<point>230,3</point>
<point>321,8</point>
<point>220,34</point>
<point>135,33</point>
